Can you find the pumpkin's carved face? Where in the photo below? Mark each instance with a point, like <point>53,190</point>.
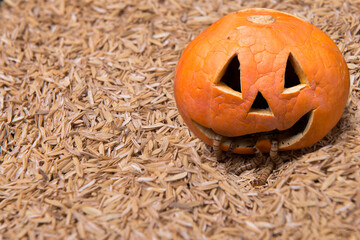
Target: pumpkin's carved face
<point>259,74</point>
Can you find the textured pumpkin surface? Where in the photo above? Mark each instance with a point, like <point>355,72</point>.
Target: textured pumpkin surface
<point>262,50</point>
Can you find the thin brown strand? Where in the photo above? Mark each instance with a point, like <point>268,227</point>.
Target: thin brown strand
<point>274,154</point>
<point>255,162</point>
<point>272,162</point>
<point>231,148</point>
<point>258,153</point>
<point>248,166</point>
<point>261,180</point>
<point>216,146</point>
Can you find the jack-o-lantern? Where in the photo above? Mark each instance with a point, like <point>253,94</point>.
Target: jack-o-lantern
<point>257,75</point>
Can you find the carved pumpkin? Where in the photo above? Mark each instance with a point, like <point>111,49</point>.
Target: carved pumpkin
<point>260,74</point>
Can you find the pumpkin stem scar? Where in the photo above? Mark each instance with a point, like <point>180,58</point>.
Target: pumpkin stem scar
<point>261,19</point>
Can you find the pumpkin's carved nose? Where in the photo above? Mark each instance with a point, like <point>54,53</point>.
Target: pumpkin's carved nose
<point>260,105</point>
<point>260,102</point>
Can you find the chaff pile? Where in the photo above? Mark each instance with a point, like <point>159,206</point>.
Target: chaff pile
<point>92,145</point>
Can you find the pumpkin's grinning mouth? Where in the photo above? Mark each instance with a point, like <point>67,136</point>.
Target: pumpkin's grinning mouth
<point>285,138</point>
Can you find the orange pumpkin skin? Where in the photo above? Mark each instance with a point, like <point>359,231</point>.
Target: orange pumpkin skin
<point>262,50</point>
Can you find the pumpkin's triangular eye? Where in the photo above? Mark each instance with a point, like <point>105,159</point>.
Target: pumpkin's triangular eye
<point>291,78</point>
<point>294,77</point>
<point>259,103</point>
<point>231,77</point>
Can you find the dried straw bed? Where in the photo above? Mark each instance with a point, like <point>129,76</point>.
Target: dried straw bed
<point>92,145</point>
